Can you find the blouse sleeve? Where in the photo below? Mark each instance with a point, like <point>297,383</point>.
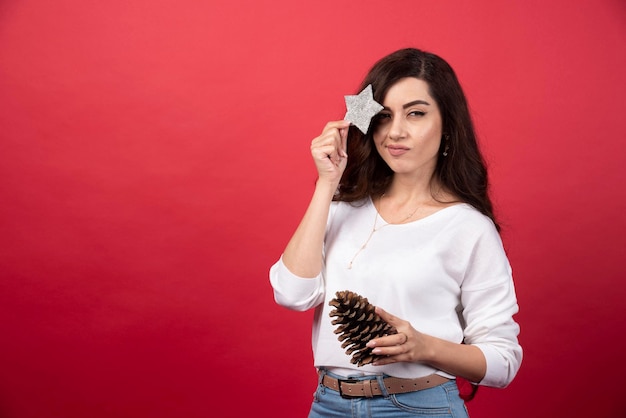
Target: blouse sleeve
<point>489,303</point>
<point>294,292</point>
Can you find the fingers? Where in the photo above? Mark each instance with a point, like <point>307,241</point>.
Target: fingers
<point>398,350</point>
<point>338,124</point>
<point>391,341</point>
<point>386,316</point>
<point>394,348</point>
<point>329,149</point>
<point>343,132</point>
<point>333,136</point>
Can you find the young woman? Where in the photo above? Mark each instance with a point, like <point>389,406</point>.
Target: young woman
<point>402,216</point>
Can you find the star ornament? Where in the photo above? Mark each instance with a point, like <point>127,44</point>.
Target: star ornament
<point>362,108</point>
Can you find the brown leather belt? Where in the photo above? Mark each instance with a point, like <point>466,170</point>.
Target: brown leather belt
<point>350,388</point>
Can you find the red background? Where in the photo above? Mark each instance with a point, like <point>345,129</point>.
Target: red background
<point>154,162</point>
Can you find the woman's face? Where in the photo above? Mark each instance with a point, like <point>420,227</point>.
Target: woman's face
<point>408,133</point>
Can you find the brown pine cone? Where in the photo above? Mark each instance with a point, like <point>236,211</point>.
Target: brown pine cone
<point>357,324</point>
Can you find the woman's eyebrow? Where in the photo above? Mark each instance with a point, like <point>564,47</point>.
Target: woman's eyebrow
<point>413,103</point>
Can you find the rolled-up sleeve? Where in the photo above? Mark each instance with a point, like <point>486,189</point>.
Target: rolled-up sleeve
<point>294,292</point>
<point>489,304</point>
<point>490,327</point>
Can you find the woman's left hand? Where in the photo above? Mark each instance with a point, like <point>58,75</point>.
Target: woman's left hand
<point>408,345</point>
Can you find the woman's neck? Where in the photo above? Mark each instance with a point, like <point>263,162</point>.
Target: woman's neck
<point>404,189</point>
<point>406,201</point>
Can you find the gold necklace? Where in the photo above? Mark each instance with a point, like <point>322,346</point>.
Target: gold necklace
<point>374,229</point>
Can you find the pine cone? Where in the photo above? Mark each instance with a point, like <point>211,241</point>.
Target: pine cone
<point>357,324</point>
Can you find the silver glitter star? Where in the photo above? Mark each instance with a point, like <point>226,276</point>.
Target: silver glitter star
<point>362,108</point>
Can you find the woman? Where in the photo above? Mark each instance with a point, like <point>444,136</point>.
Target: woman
<point>401,215</point>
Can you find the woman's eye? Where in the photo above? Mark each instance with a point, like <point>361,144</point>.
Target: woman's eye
<point>381,117</point>
<point>417,113</point>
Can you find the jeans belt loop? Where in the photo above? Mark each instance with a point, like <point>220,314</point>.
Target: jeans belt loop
<point>381,384</point>
<point>320,379</point>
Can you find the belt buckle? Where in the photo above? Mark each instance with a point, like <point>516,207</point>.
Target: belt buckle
<point>344,395</point>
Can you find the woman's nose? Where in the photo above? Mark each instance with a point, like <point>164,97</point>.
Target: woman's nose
<point>396,129</point>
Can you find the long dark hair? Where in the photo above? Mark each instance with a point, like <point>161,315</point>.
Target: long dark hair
<point>462,172</point>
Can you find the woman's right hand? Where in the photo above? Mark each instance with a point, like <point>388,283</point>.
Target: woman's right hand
<point>329,151</point>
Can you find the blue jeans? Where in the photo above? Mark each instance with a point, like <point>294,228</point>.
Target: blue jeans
<point>439,401</point>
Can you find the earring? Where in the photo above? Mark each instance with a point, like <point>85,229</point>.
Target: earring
<point>445,150</point>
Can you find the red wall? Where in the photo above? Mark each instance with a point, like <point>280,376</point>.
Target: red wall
<point>154,161</point>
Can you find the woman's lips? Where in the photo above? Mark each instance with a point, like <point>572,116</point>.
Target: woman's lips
<point>397,151</point>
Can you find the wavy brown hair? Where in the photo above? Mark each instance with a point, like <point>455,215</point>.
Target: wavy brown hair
<point>462,172</point>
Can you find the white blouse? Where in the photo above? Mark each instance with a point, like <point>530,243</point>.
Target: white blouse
<point>447,274</point>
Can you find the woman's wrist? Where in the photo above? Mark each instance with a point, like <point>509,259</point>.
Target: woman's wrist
<point>326,187</point>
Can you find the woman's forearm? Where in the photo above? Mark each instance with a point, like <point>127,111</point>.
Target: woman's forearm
<point>462,360</point>
<point>303,254</point>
